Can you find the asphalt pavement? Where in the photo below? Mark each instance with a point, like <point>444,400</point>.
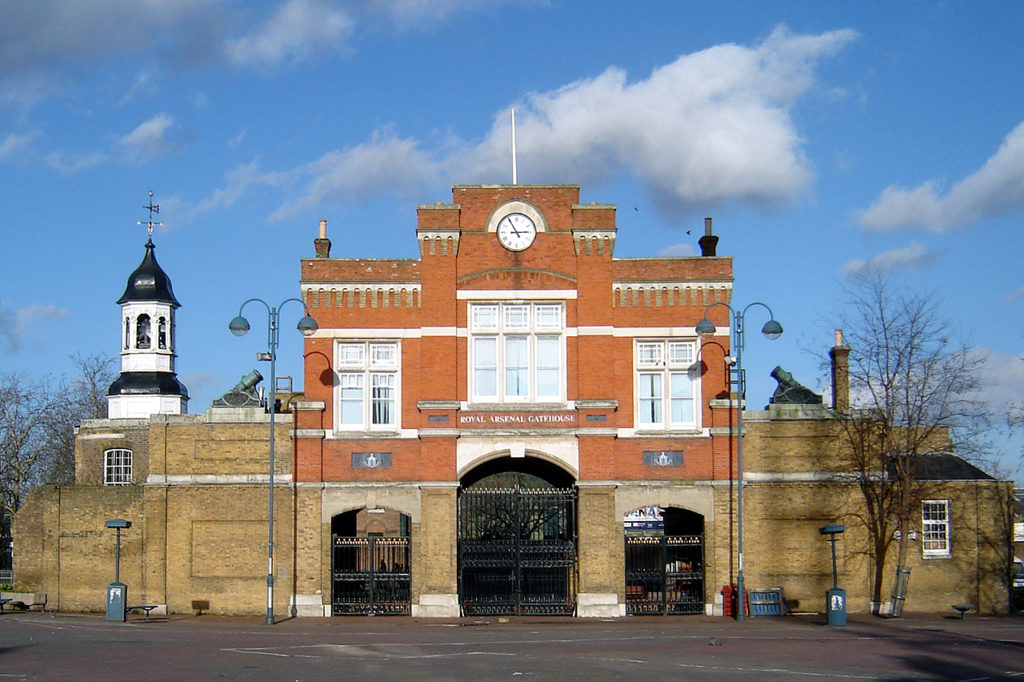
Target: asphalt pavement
<point>43,646</point>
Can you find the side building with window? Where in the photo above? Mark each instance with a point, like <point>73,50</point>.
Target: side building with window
<point>799,479</point>
<point>193,487</point>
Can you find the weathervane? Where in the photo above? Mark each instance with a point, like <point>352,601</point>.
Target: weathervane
<point>150,224</point>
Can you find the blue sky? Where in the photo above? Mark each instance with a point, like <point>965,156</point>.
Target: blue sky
<point>820,136</point>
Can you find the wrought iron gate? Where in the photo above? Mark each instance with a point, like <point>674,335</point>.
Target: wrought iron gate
<point>517,551</point>
<point>370,576</point>
<point>664,574</point>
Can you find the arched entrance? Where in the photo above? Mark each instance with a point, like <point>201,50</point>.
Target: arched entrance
<point>370,572</point>
<point>517,539</point>
<point>664,561</point>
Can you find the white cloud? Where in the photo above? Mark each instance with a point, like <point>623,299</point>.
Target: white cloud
<point>676,250</point>
<point>238,181</point>
<point>1015,296</point>
<point>713,126</point>
<point>296,29</point>
<point>15,325</point>
<point>155,137</point>
<point>46,35</point>
<point>1003,379</point>
<point>45,45</point>
<point>13,145</point>
<point>912,255</point>
<point>198,381</point>
<point>385,163</point>
<point>142,86</point>
<point>994,189</point>
<point>409,14</point>
<point>150,138</point>
<point>68,165</point>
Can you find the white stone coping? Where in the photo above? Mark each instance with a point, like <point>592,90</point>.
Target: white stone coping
<point>217,479</point>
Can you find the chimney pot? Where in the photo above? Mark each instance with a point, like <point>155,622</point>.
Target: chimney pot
<point>840,356</point>
<point>322,244</point>
<point>708,242</point>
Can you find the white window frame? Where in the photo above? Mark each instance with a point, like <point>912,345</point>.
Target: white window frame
<point>514,334</point>
<point>117,466</point>
<point>666,385</point>
<point>935,529</point>
<point>361,368</point>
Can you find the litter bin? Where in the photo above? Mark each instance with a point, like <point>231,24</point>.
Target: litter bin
<point>899,591</point>
<point>117,598</point>
<point>836,604</point>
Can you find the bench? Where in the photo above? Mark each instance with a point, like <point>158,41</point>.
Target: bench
<point>37,599</point>
<point>142,607</point>
<point>962,609</point>
<point>2,603</point>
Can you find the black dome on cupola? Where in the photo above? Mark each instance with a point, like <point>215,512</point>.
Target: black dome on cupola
<point>147,383</point>
<point>149,283</point>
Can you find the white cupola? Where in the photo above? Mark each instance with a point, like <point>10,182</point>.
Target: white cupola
<point>147,383</point>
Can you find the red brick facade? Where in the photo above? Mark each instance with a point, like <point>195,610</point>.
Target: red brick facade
<point>424,305</point>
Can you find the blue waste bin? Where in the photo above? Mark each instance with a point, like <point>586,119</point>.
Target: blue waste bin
<point>117,598</point>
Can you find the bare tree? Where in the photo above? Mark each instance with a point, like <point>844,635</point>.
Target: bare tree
<point>85,397</point>
<point>30,414</point>
<point>37,424</point>
<point>913,394</point>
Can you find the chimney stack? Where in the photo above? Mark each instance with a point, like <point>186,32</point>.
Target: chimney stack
<point>322,244</point>
<point>840,355</point>
<point>709,241</point>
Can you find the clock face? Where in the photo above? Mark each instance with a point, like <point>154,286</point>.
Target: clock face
<point>516,232</point>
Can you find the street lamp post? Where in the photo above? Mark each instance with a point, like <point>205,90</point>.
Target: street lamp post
<point>772,330</point>
<point>239,326</point>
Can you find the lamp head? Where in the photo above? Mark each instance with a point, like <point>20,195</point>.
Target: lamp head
<point>307,325</point>
<point>772,330</point>
<point>239,326</point>
<point>705,328</point>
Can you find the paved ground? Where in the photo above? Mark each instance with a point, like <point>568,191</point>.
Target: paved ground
<point>38,646</point>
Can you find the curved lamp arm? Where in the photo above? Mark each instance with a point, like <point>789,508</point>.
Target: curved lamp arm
<point>239,326</point>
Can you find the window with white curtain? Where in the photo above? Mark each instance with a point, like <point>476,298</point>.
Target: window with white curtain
<point>517,352</point>
<point>366,396</point>
<point>666,384</point>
